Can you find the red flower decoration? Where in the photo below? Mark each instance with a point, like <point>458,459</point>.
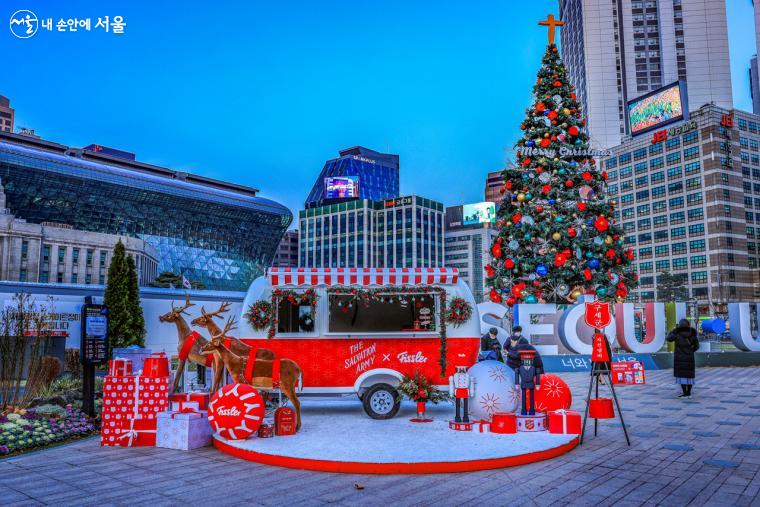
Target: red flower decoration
<point>509,263</point>
<point>526,162</point>
<point>540,107</point>
<point>587,176</point>
<point>604,175</point>
<point>572,232</point>
<point>545,142</point>
<point>546,189</point>
<point>508,185</point>
<point>495,296</point>
<point>516,218</point>
<point>581,206</point>
<point>569,183</point>
<point>552,115</point>
<point>610,253</point>
<point>557,84</point>
<point>489,270</point>
<point>496,250</point>
<point>601,224</point>
<point>559,260</point>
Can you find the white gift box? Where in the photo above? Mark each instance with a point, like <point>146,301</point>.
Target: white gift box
<point>183,430</point>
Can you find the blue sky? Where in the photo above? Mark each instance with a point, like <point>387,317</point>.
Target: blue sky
<point>262,93</point>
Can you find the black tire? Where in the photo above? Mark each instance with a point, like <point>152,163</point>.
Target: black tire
<point>379,401</point>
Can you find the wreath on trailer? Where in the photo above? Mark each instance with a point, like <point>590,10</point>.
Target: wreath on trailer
<point>263,313</point>
<point>259,314</point>
<point>392,293</point>
<point>459,312</point>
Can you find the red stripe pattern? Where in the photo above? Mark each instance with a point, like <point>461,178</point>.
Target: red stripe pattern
<point>279,277</point>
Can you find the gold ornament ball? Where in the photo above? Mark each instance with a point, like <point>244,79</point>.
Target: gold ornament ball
<point>520,197</point>
<point>566,111</point>
<point>556,159</point>
<point>546,135</point>
<point>556,236</point>
<point>608,240</point>
<point>576,294</point>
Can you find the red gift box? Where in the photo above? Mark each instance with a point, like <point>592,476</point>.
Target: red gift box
<point>565,422</point>
<point>179,400</point>
<point>120,367</point>
<point>130,405</point>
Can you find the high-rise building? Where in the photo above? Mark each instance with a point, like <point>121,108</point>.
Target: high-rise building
<point>618,50</point>
<point>286,255</point>
<point>494,183</point>
<point>7,115</point>
<point>467,241</point>
<point>358,173</point>
<point>754,85</point>
<point>689,204</point>
<point>406,232</point>
<point>221,234</point>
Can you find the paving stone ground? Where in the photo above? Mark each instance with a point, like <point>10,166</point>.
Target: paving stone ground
<point>703,451</point>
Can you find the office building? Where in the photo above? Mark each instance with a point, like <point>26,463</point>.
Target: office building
<point>689,203</point>
<point>287,251</point>
<point>466,245</point>
<point>56,253</point>
<point>358,173</point>
<point>7,115</point>
<point>494,184</point>
<point>618,50</point>
<point>221,234</point>
<point>406,232</point>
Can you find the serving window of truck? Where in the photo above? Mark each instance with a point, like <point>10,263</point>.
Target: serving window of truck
<point>396,311</point>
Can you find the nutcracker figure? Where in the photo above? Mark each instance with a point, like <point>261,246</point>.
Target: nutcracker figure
<point>528,378</point>
<point>461,387</point>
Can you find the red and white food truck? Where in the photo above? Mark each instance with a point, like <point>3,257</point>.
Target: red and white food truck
<point>367,328</point>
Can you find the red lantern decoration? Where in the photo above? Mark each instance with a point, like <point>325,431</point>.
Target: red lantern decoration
<point>508,185</point>
<point>557,84</point>
<point>604,175</point>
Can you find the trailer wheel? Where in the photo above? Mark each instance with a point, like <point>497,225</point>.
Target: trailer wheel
<point>379,401</point>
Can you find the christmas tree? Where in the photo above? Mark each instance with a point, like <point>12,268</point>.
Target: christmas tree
<point>557,234</point>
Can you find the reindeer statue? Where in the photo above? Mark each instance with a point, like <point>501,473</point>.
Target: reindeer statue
<point>233,344</point>
<point>260,373</point>
<point>190,350</point>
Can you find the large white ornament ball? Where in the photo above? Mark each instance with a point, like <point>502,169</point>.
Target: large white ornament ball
<point>494,390</point>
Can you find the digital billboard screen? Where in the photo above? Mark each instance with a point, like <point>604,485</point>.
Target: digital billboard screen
<point>342,187</point>
<point>660,107</point>
<point>478,213</point>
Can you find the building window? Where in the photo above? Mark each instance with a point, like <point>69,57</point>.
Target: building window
<point>679,248</point>
<point>691,168</point>
<point>676,202</point>
<point>658,206</point>
<point>658,176</point>
<point>661,250</point>
<point>24,250</point>
<point>679,263</point>
<point>645,267</point>
<point>674,172</point>
<point>698,261</point>
<point>661,235</point>
<point>103,254</point>
<point>691,153</point>
<point>22,275</point>
<point>699,276</point>
<point>642,209</point>
<point>697,245</point>
<point>678,232</point>
<point>90,254</point>
<point>696,229</point>
<point>662,265</point>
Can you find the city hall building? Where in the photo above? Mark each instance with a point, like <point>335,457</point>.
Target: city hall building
<point>405,232</point>
<point>221,234</point>
<point>689,203</point>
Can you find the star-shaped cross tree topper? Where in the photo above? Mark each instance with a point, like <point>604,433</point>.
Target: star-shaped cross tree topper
<point>551,24</point>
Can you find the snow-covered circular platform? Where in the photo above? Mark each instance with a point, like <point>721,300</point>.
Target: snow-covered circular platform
<point>338,437</point>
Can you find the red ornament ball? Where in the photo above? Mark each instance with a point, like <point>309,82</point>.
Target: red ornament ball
<point>573,131</point>
<point>554,394</point>
<point>569,183</point>
<point>545,142</point>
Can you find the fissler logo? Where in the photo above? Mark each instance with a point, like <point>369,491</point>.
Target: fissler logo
<point>405,357</point>
<point>232,411</point>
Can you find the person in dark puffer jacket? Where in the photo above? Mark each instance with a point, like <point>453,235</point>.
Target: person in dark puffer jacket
<point>684,366</point>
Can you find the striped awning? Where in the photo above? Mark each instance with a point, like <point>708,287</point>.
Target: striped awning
<point>279,277</point>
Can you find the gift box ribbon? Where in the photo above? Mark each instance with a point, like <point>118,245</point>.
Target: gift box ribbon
<point>563,413</point>
<point>132,433</point>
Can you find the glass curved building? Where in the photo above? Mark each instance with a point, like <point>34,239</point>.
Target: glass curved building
<point>221,234</point>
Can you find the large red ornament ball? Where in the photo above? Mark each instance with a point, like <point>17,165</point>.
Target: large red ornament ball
<point>553,395</point>
<point>236,411</point>
<point>557,84</point>
<point>573,130</point>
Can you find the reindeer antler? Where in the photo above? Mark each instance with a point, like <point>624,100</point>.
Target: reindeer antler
<point>181,309</point>
<point>222,308</point>
<point>229,326</point>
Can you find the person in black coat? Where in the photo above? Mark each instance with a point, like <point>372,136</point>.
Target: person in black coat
<point>686,344</point>
<point>514,345</point>
<point>490,348</point>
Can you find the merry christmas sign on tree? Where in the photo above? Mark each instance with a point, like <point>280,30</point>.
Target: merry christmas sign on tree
<point>557,233</point>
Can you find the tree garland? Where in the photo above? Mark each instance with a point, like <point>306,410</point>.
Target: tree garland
<point>459,312</point>
<point>385,294</point>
